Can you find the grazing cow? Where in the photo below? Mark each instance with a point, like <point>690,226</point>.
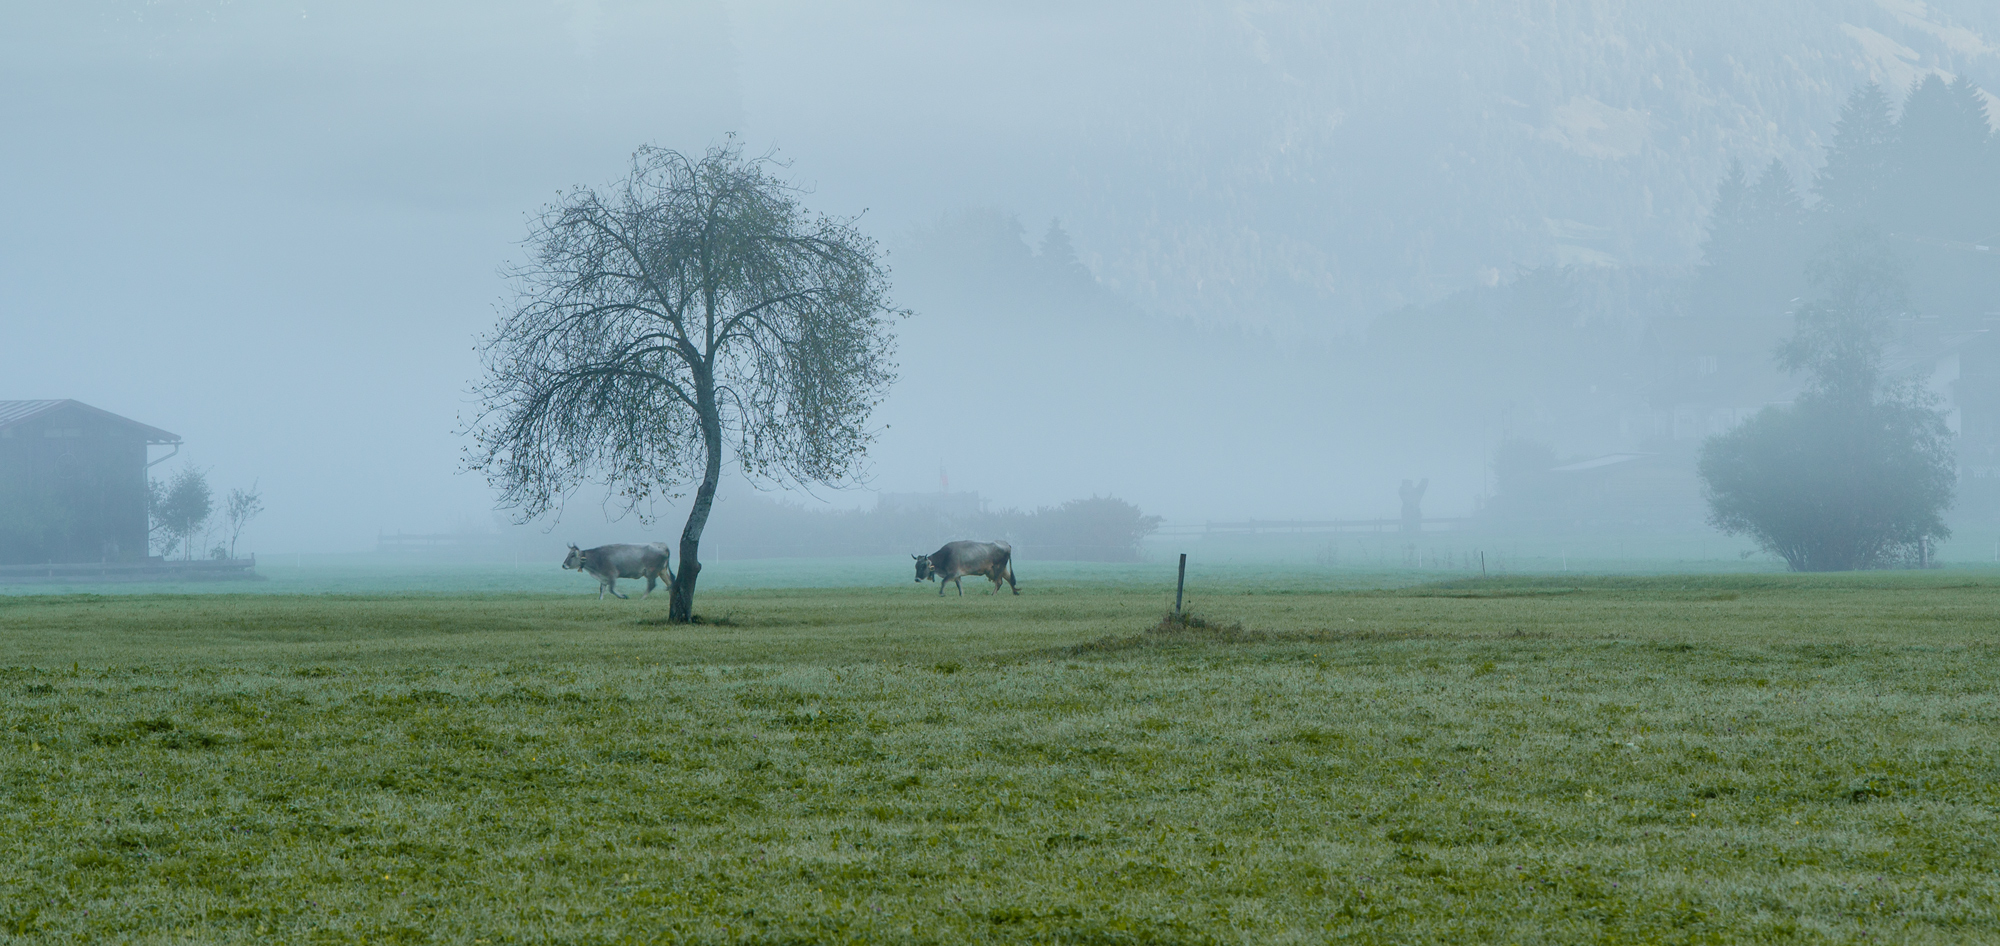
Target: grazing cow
<point>993,561</point>
<point>612,562</point>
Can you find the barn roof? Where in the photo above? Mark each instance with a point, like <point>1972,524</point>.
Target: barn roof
<point>20,412</point>
<point>1598,463</point>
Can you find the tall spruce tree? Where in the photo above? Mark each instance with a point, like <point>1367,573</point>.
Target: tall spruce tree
<point>1726,251</point>
<point>1941,143</point>
<point>1756,243</point>
<point>1058,263</point>
<point>1774,204</point>
<point>1989,183</point>
<point>1777,246</point>
<point>1728,220</point>
<point>1971,217</point>
<point>1978,217</point>
<point>1859,163</point>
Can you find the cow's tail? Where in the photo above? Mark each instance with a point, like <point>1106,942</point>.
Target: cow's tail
<point>1008,569</point>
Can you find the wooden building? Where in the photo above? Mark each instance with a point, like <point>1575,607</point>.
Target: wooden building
<point>72,483</point>
<point>1975,393</point>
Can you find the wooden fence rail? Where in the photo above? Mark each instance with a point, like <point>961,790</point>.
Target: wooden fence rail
<point>210,569</point>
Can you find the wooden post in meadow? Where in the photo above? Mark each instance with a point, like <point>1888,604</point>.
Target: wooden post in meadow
<point>1180,585</point>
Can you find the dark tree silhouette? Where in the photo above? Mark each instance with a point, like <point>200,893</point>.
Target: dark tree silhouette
<point>1057,258</point>
<point>1834,485</point>
<point>1729,219</point>
<point>1773,202</point>
<point>1098,529</point>
<point>179,509</point>
<point>1752,255</point>
<point>692,308</point>
<point>1860,162</point>
<point>1941,152</point>
<point>1857,472</point>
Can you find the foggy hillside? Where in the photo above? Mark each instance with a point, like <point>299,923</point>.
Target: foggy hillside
<point>1307,166</point>
<point>1303,239</point>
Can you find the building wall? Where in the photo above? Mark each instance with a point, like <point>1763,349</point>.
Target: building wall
<point>1976,395</point>
<point>72,489</point>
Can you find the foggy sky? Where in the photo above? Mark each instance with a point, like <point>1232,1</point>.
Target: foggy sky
<point>276,229</point>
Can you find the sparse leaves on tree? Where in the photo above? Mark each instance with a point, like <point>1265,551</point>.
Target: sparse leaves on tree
<point>179,509</point>
<point>242,506</point>
<point>693,308</point>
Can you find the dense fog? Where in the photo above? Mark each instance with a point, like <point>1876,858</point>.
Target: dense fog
<point>1218,261</point>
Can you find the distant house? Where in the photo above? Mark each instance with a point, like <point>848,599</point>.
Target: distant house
<point>1644,490</point>
<point>72,483</point>
<point>1975,395</point>
<point>1710,374</point>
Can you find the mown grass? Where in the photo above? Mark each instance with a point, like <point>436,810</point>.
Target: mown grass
<point>1560,760</point>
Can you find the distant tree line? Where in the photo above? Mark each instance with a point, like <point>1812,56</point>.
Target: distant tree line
<point>1931,174</point>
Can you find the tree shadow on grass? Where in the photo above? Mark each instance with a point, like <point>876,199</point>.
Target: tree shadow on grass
<point>727,620</point>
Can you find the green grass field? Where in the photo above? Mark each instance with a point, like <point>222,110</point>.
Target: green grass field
<point>1557,760</point>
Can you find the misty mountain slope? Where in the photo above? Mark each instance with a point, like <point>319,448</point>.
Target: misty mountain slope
<point>1305,166</point>
<point>1395,151</point>
<point>275,230</point>
<point>1023,379</point>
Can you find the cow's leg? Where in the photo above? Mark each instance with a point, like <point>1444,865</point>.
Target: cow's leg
<point>1010,580</point>
<point>612,583</point>
<point>960,582</point>
<point>650,578</point>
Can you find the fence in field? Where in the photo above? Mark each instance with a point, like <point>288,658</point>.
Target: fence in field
<point>1310,526</point>
<point>210,569</point>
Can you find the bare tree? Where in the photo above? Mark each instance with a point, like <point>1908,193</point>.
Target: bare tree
<point>242,506</point>
<point>692,307</point>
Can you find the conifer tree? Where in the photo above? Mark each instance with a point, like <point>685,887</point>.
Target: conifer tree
<point>1773,203</point>
<point>1979,214</point>
<point>1969,103</point>
<point>1859,162</point>
<point>1941,143</point>
<point>1775,247</point>
<point>1728,223</point>
<point>1756,243</point>
<point>1058,261</point>
<point>1989,185</point>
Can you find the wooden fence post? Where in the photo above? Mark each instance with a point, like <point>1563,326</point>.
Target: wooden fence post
<point>1180,585</point>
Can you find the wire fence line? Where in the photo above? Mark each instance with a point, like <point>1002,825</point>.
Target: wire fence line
<point>721,548</point>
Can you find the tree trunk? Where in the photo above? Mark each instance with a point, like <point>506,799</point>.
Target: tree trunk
<point>680,607</point>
